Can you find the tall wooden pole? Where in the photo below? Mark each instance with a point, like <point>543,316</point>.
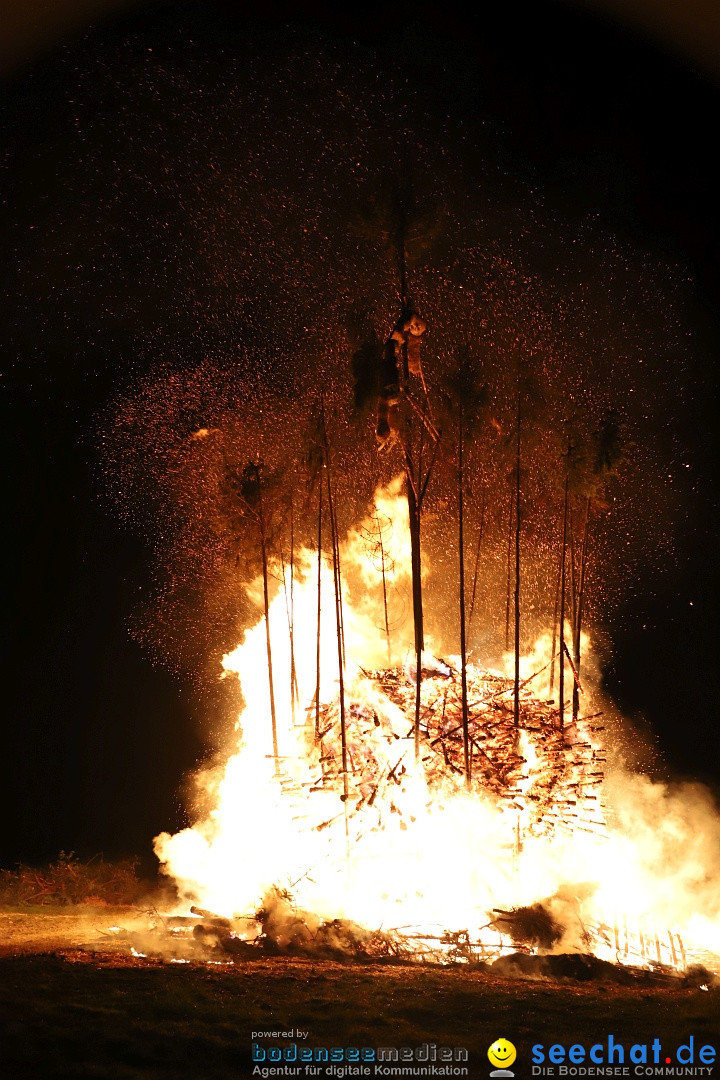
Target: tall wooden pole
<point>553,651</point>
<point>476,570</point>
<point>508,576</point>
<point>516,689</point>
<point>339,622</point>
<point>416,568</point>
<point>580,608</point>
<point>266,597</point>
<point>463,645</point>
<point>294,692</point>
<point>384,589</point>
<point>319,612</point>
<point>563,561</point>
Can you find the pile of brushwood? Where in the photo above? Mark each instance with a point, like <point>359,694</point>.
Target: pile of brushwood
<point>71,880</point>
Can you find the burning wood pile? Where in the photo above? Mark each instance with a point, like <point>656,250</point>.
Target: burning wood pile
<point>551,777</point>
<point>360,842</point>
<point>543,779</point>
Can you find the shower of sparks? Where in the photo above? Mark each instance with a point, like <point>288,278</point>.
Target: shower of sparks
<point>242,226</point>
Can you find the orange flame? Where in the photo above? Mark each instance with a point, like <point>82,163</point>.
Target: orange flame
<point>628,865</point>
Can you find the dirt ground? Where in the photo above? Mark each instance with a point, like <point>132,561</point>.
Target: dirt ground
<point>75,1003</point>
<point>50,929</point>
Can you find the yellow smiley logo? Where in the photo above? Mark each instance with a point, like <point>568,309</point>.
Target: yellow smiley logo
<point>502,1053</point>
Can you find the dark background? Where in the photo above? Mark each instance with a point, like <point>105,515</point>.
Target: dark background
<point>603,116</point>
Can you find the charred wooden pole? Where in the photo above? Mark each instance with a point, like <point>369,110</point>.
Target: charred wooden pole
<point>336,569</point>
<point>294,691</point>
<point>415,502</point>
<point>337,580</point>
<point>516,687</point>
<point>563,589</point>
<point>384,590</point>
<point>288,614</point>
<point>508,591</point>
<point>553,650</point>
<point>580,607</point>
<point>341,654</point>
<point>476,570</point>
<point>266,597</point>
<point>319,612</point>
<point>400,360</point>
<point>335,537</point>
<point>339,621</point>
<point>416,571</point>
<point>249,489</point>
<point>463,645</point>
<point>573,571</point>
<point>413,495</point>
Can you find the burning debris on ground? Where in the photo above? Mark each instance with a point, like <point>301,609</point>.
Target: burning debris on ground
<point>279,929</point>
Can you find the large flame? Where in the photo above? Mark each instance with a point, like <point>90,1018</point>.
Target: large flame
<point>625,868</point>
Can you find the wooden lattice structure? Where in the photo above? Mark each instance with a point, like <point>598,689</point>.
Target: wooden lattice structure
<point>550,776</point>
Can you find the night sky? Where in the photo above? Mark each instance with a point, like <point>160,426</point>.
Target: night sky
<point>107,277</point>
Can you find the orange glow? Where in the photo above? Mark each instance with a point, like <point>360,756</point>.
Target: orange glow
<point>624,866</point>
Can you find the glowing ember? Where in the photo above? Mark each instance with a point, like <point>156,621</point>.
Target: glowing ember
<point>541,849</point>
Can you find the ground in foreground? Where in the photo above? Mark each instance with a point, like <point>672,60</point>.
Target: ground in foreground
<point>82,1012</point>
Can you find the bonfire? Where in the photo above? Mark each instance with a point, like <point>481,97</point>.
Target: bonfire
<point>359,839</point>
